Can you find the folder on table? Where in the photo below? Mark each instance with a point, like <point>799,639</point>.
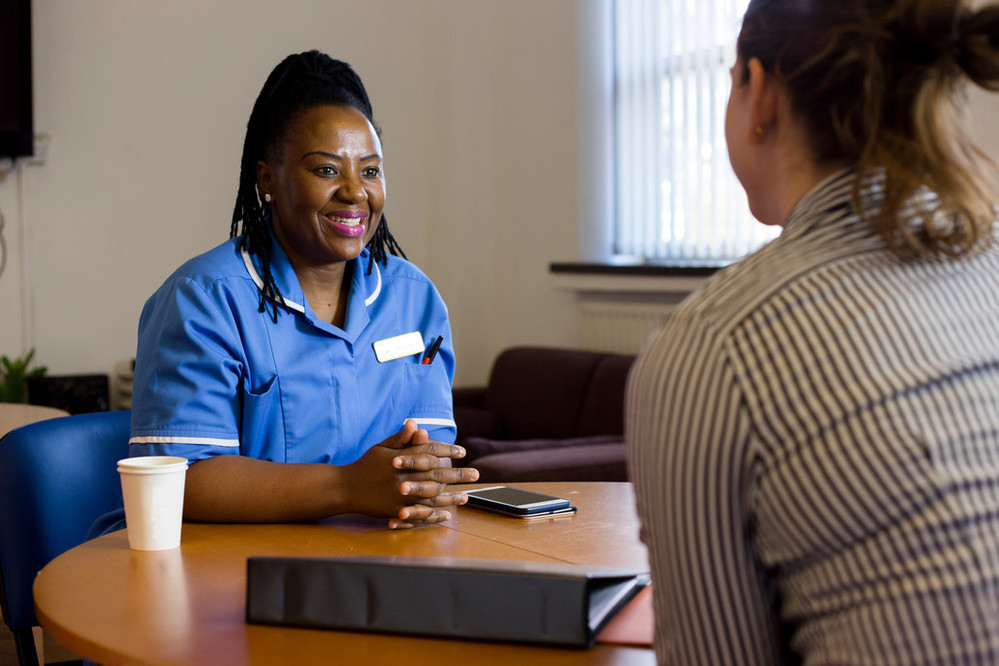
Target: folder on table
<point>500,600</point>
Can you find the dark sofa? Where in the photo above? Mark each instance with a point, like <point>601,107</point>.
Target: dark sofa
<point>547,414</point>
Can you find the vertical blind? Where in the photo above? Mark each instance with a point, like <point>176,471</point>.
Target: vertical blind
<point>677,200</point>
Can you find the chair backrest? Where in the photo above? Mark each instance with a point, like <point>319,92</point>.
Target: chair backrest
<point>56,478</point>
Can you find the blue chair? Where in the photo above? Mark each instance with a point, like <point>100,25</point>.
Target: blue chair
<point>56,478</point>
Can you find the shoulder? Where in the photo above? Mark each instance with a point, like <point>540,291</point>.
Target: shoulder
<point>403,278</point>
<point>217,276</point>
<point>812,251</point>
<point>222,261</point>
<point>397,268</point>
<point>216,271</point>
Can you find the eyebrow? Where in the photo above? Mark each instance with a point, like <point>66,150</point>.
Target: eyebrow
<point>334,156</point>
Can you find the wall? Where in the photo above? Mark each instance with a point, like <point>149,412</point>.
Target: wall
<point>145,103</point>
<point>492,114</point>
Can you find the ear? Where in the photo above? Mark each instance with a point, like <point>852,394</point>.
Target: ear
<point>763,94</point>
<point>265,177</point>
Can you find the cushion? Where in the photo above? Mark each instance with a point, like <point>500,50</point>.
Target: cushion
<point>469,396</point>
<point>603,406</point>
<point>593,462</point>
<point>475,422</point>
<point>539,391</point>
<point>478,447</point>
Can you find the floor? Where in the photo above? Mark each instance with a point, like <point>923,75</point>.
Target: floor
<point>54,653</point>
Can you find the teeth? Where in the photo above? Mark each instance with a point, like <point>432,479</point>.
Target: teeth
<point>349,221</point>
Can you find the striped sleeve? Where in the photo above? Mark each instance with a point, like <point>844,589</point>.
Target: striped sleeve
<point>684,412</point>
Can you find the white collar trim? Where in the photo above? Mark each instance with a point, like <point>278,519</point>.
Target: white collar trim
<point>252,270</point>
<point>378,286</point>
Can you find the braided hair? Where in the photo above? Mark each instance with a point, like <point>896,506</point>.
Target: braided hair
<point>301,81</point>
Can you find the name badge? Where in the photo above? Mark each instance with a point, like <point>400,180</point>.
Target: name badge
<point>398,346</point>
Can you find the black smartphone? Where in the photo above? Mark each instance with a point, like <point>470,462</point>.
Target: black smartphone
<point>516,501</point>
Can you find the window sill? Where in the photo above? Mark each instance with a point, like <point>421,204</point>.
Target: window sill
<point>629,278</point>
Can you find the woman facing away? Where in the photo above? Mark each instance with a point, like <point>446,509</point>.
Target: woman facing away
<point>814,435</point>
<point>274,362</point>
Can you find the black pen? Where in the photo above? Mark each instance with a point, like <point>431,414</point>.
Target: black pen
<point>433,350</point>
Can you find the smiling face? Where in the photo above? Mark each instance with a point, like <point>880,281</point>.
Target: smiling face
<point>327,186</point>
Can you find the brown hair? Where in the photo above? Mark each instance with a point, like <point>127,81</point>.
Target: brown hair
<point>878,84</point>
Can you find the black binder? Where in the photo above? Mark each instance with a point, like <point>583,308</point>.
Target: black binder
<point>498,600</point>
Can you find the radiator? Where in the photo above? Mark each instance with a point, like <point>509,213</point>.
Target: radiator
<point>620,327</point>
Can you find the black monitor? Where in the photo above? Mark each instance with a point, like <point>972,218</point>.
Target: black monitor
<point>16,112</point>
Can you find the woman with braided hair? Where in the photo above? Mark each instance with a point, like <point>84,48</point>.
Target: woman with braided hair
<point>289,365</point>
<point>814,435</point>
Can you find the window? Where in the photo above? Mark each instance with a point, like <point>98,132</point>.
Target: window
<point>678,201</point>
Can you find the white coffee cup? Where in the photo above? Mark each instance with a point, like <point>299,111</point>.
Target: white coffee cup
<point>153,490</point>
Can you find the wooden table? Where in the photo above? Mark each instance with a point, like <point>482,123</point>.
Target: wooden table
<point>187,605</point>
<point>14,415</point>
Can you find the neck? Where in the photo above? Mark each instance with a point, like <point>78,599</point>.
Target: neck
<point>793,171</point>
<point>327,289</point>
<point>799,179</point>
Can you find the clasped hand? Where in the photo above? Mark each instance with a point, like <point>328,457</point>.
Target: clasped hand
<point>421,471</point>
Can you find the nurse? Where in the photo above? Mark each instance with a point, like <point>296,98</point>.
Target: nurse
<point>295,365</point>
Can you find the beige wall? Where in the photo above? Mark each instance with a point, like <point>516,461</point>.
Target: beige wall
<point>491,130</point>
<point>145,103</point>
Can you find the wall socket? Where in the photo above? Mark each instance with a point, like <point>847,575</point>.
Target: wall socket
<point>41,150</point>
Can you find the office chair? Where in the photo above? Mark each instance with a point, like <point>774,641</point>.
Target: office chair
<point>56,478</point>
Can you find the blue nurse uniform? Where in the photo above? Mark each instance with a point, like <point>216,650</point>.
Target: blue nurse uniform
<point>215,376</point>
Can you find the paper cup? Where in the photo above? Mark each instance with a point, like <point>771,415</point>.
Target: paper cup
<point>153,490</point>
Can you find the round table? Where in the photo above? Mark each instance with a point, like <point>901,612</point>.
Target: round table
<point>14,415</point>
<point>187,605</point>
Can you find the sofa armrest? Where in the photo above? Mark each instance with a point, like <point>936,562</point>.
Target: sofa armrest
<point>474,422</point>
<point>480,447</point>
<point>472,396</point>
<point>589,462</point>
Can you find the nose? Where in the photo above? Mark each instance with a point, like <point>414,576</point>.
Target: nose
<point>351,188</point>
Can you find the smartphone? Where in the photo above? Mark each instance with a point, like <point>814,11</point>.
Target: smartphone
<point>515,501</point>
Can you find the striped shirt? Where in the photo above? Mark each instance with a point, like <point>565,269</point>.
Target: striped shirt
<point>814,443</point>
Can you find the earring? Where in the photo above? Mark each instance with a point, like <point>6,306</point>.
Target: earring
<point>267,197</point>
<point>759,130</point>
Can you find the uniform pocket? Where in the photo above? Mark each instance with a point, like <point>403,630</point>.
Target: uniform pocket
<point>261,422</point>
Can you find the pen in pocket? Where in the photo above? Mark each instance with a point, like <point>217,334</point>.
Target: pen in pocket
<point>432,352</point>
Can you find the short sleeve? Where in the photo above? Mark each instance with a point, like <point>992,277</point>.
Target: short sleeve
<point>188,380</point>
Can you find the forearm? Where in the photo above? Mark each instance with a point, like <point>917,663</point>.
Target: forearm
<point>230,488</point>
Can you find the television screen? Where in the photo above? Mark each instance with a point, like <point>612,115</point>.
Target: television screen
<point>16,121</point>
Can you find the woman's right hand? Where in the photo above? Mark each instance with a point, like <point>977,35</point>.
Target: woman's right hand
<point>405,478</point>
